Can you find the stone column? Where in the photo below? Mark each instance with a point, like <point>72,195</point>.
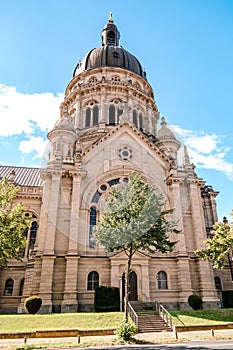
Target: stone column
<point>77,117</point>
<point>149,119</point>
<point>205,271</point>
<point>103,115</point>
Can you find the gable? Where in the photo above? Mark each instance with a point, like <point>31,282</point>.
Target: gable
<point>122,151</point>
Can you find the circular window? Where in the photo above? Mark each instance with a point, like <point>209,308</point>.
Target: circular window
<point>103,187</point>
<point>125,153</point>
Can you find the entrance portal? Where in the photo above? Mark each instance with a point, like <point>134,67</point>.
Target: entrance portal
<point>133,286</point>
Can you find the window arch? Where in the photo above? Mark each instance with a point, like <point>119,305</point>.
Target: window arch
<point>30,234</point>
<point>21,287</point>
<point>33,233</point>
<point>9,286</point>
<point>135,118</point>
<point>115,111</point>
<point>88,117</point>
<point>92,280</point>
<point>162,280</point>
<point>92,115</point>
<point>218,284</point>
<point>138,118</point>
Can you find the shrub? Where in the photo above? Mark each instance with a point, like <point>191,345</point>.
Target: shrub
<point>195,301</point>
<point>126,330</point>
<point>33,304</point>
<point>107,299</point>
<point>227,298</point>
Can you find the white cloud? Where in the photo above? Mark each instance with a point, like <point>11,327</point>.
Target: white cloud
<point>21,112</point>
<point>35,145</point>
<point>206,150</point>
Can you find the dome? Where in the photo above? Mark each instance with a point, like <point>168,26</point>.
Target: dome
<point>165,133</point>
<point>110,54</point>
<point>64,123</point>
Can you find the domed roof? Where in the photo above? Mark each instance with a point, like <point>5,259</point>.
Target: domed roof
<point>64,123</point>
<point>110,54</point>
<point>165,133</point>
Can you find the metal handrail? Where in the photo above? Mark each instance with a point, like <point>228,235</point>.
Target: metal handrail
<point>133,315</point>
<point>164,314</point>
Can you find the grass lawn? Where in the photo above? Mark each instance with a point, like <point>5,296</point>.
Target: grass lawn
<point>25,322</point>
<point>192,317</point>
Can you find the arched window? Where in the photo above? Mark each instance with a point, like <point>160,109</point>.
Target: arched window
<point>218,284</point>
<point>21,287</point>
<point>88,117</point>
<point>9,285</point>
<point>138,118</point>
<point>112,120</point>
<point>93,213</point>
<point>111,38</point>
<point>95,115</point>
<point>115,111</point>
<point>92,280</point>
<point>33,233</point>
<point>162,280</point>
<point>140,121</point>
<point>135,118</point>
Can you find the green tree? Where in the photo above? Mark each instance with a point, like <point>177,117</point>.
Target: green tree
<point>218,249</point>
<point>134,219</point>
<point>12,223</point>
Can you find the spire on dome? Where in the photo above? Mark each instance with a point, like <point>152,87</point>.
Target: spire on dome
<point>186,157</point>
<point>163,122</point>
<point>110,18</point>
<point>110,33</point>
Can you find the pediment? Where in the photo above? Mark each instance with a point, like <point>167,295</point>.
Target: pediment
<point>131,133</point>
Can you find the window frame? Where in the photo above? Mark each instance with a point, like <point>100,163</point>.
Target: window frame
<point>6,292</point>
<point>92,280</point>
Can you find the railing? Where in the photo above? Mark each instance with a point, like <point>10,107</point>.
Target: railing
<point>164,314</point>
<point>133,315</point>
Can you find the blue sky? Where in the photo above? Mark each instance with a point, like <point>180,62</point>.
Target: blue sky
<point>186,48</point>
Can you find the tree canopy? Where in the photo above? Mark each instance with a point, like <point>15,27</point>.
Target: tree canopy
<point>135,219</point>
<point>12,223</point>
<point>219,247</point>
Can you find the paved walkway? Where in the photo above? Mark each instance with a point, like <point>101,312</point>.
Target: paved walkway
<point>147,337</point>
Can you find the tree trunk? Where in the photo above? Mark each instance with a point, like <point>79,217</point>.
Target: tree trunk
<point>127,286</point>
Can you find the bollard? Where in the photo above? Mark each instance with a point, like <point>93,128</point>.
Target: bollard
<point>78,339</point>
<point>176,335</point>
<point>25,340</point>
<point>212,332</point>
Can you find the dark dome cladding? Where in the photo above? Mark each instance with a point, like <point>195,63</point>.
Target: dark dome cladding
<point>110,54</point>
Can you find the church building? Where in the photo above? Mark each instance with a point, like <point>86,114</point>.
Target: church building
<point>109,127</point>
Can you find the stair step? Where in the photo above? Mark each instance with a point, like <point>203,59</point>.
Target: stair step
<point>148,321</point>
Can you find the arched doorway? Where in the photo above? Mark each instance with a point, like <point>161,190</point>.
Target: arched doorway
<point>133,286</point>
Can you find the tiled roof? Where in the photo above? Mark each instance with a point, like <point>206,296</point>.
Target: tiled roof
<point>23,176</point>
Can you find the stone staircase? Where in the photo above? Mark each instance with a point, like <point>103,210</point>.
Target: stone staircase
<point>148,319</point>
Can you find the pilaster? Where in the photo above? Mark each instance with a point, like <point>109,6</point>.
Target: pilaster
<point>53,212</point>
<point>205,271</point>
<point>46,282</point>
<point>70,299</point>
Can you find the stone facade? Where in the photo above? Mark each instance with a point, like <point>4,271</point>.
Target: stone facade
<point>107,130</point>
